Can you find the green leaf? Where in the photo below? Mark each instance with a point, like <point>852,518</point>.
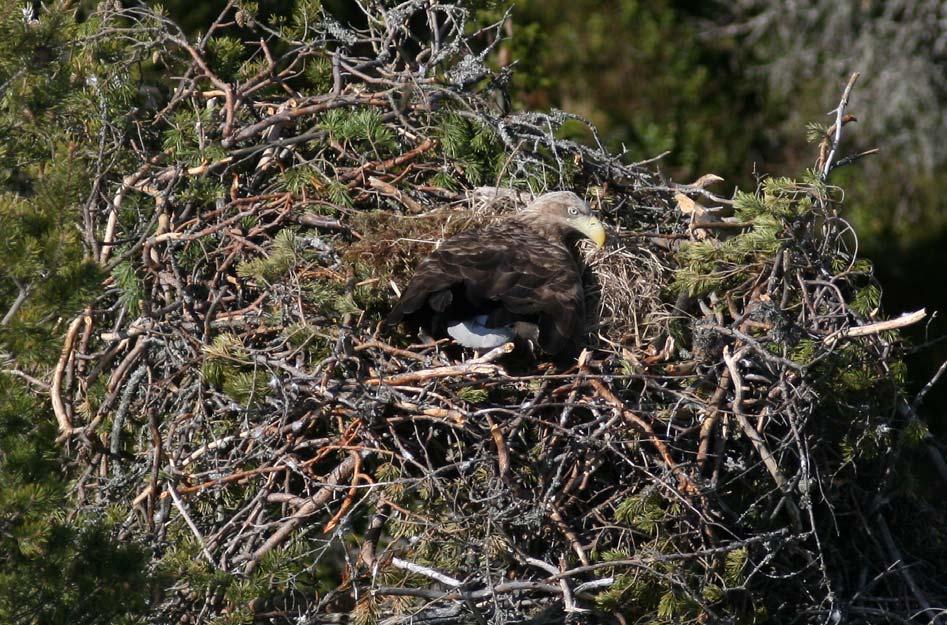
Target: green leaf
<point>130,289</point>
<point>735,561</point>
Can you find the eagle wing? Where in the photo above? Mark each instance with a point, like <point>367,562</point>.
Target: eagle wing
<point>527,276</point>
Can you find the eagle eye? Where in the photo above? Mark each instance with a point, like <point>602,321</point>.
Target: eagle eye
<point>573,210</point>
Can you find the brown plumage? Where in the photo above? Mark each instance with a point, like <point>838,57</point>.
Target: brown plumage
<point>519,277</point>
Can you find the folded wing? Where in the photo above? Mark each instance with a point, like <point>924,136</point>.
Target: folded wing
<point>504,273</point>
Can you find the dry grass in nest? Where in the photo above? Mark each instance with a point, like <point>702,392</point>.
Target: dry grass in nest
<point>626,307</point>
<point>392,244</point>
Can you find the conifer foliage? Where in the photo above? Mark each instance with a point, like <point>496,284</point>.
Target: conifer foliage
<point>247,202</point>
<point>61,105</point>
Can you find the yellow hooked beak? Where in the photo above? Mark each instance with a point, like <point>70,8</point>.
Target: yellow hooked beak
<point>592,228</point>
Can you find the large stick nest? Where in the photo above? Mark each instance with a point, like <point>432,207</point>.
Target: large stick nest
<point>723,451</point>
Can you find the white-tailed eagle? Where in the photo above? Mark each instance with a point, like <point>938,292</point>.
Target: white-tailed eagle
<point>518,277</point>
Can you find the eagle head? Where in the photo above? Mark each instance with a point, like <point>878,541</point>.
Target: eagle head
<point>567,212</point>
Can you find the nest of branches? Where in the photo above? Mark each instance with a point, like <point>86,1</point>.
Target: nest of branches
<point>723,451</point>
